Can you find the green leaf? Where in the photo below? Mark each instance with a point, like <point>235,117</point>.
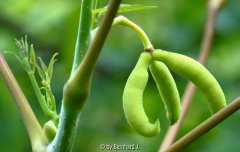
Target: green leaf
<point>44,88</point>
<point>122,8</point>
<point>49,103</point>
<point>43,96</point>
<point>22,44</point>
<point>32,58</point>
<point>26,45</point>
<point>41,73</point>
<point>44,67</point>
<point>19,59</point>
<point>50,66</point>
<point>22,51</point>
<point>46,84</point>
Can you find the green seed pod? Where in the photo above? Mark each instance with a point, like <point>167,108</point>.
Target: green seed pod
<point>50,130</point>
<point>168,90</point>
<point>133,97</point>
<point>195,72</point>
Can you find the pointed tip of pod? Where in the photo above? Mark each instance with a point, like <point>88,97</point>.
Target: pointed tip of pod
<point>157,126</point>
<point>172,123</point>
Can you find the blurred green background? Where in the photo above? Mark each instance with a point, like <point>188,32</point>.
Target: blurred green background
<point>175,26</point>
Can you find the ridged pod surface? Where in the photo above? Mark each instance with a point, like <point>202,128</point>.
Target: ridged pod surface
<point>196,73</point>
<point>133,99</point>
<point>168,90</point>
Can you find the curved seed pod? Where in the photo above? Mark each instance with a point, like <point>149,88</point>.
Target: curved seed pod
<point>195,72</point>
<point>168,90</point>
<point>133,97</point>
<point>50,130</point>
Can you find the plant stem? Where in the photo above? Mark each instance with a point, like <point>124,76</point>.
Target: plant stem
<point>98,41</point>
<point>68,124</point>
<point>96,4</point>
<point>95,20</point>
<point>52,115</point>
<point>35,132</point>
<point>77,88</point>
<point>121,20</point>
<point>206,126</point>
<point>84,33</point>
<point>50,95</point>
<point>146,42</point>
<point>212,11</point>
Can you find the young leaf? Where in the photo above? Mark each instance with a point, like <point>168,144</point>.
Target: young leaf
<point>122,8</point>
<point>44,88</point>
<point>43,96</point>
<point>46,84</point>
<point>32,58</point>
<point>41,73</point>
<point>26,45</point>
<point>19,59</point>
<point>44,67</point>
<point>25,50</point>
<point>22,51</point>
<point>50,67</point>
<point>49,103</point>
<point>22,44</point>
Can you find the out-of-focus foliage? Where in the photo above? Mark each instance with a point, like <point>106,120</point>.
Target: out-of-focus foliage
<point>175,26</point>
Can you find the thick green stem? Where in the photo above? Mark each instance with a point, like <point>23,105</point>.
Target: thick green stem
<point>205,126</point>
<point>121,20</point>
<point>98,41</point>
<point>38,140</point>
<point>68,123</point>
<point>76,89</point>
<point>84,33</point>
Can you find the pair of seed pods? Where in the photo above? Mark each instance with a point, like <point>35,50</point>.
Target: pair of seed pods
<point>158,61</point>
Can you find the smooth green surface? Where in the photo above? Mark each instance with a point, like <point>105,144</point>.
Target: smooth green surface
<point>197,74</point>
<point>133,99</point>
<point>49,130</point>
<point>66,130</point>
<point>176,26</point>
<point>167,89</point>
<point>84,33</point>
